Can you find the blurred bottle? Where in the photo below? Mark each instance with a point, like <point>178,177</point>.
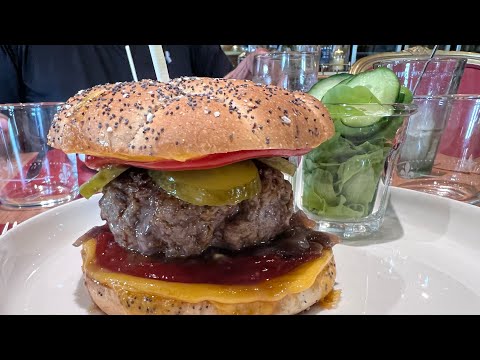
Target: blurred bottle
<point>307,48</point>
<point>338,60</point>
<point>326,54</point>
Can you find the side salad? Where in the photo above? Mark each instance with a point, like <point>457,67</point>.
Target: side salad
<point>341,176</point>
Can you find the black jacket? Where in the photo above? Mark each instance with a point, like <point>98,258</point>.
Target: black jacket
<point>36,73</point>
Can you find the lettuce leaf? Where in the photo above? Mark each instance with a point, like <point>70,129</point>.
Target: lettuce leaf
<point>341,178</point>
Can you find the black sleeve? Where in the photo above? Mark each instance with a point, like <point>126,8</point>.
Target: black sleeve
<point>10,91</point>
<point>210,61</point>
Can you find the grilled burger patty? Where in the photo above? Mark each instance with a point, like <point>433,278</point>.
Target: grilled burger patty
<point>144,218</point>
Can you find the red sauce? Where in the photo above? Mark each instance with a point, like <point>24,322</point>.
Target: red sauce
<point>243,267</point>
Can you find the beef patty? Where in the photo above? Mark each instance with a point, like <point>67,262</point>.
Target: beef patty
<point>144,218</point>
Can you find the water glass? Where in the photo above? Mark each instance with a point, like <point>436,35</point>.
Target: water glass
<point>424,130</point>
<point>31,173</point>
<point>442,75</point>
<point>456,167</point>
<point>291,70</point>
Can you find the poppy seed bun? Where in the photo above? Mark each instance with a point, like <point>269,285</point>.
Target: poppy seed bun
<point>187,118</point>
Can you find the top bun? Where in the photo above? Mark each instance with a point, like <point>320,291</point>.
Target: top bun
<point>187,118</point>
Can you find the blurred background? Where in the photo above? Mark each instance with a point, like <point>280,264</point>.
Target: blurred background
<point>337,58</point>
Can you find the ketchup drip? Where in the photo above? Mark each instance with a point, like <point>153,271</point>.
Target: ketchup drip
<point>247,266</point>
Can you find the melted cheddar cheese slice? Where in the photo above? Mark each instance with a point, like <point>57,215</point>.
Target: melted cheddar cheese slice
<point>182,157</point>
<point>297,280</point>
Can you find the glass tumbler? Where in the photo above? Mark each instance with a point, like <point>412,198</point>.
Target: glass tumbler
<point>32,174</point>
<point>442,75</point>
<point>291,70</point>
<point>343,184</point>
<point>454,169</point>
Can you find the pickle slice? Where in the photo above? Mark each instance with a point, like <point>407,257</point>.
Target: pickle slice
<point>279,164</point>
<point>100,179</point>
<point>226,185</point>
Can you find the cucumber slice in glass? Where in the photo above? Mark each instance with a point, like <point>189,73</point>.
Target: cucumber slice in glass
<point>359,115</point>
<point>405,96</point>
<point>344,94</point>
<point>320,88</point>
<point>382,82</point>
<point>364,110</point>
<point>358,134</point>
<point>369,114</point>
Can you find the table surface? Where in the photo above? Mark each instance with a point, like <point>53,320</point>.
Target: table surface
<point>7,215</point>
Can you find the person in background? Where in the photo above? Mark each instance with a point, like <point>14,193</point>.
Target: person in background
<point>244,70</point>
<point>39,73</point>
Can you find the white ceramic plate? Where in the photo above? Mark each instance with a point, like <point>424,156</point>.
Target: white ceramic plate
<point>425,260</point>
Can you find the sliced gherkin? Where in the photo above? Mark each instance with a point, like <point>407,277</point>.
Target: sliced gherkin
<point>100,179</point>
<point>226,185</point>
<point>280,164</point>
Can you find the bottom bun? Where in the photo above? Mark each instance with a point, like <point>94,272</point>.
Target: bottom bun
<point>115,302</point>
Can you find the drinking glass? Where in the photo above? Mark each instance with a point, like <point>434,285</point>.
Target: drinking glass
<point>344,184</point>
<point>31,173</point>
<point>455,172</point>
<point>441,77</point>
<point>423,133</point>
<point>291,70</point>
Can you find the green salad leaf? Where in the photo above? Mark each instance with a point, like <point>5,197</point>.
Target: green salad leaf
<point>340,178</point>
<point>354,115</point>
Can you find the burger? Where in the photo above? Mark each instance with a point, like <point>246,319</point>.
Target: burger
<point>199,218</point>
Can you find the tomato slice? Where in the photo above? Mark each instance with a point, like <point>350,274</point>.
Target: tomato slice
<point>206,162</point>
